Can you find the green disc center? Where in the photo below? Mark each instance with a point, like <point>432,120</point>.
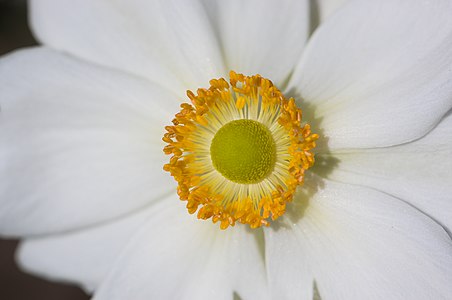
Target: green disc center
<point>243,151</point>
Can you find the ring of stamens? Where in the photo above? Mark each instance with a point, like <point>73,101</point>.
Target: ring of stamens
<point>189,141</point>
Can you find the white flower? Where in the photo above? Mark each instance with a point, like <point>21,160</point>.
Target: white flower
<point>81,154</point>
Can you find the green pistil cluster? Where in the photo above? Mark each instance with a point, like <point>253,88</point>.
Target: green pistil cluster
<point>243,151</point>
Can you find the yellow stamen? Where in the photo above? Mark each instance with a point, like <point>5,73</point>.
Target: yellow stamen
<point>189,140</point>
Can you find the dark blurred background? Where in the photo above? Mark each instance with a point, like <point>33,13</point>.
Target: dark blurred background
<point>14,284</point>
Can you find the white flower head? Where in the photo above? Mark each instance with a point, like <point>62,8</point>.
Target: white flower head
<point>83,116</point>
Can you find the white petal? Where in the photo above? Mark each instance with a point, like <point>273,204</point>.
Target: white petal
<point>289,272</point>
<point>326,8</point>
<point>419,172</point>
<point>264,37</point>
<point>361,244</point>
<point>176,256</point>
<point>83,257</point>
<point>378,73</point>
<point>169,42</point>
<point>79,144</point>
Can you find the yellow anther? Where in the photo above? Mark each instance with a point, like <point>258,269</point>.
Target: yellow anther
<point>240,103</point>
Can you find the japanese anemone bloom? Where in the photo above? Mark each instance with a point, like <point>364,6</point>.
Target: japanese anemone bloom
<point>302,166</point>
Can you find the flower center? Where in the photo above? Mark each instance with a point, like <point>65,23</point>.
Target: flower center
<point>243,151</point>
<point>239,151</point>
